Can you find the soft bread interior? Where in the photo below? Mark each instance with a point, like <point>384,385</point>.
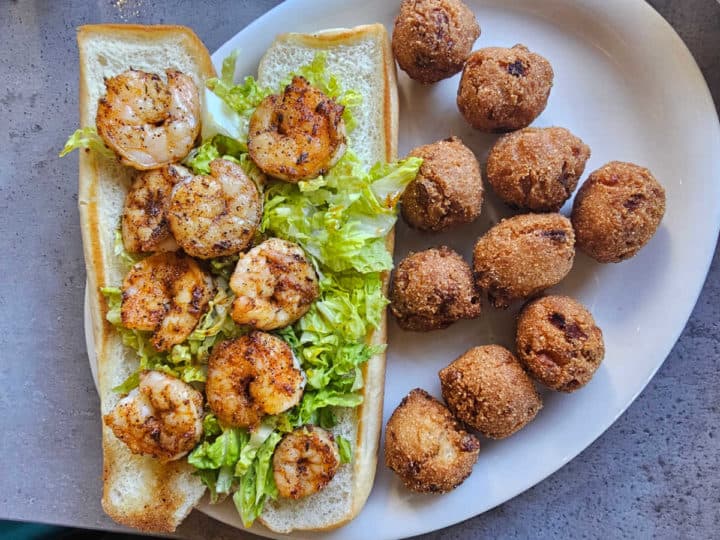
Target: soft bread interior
<point>361,59</point>
<point>138,491</point>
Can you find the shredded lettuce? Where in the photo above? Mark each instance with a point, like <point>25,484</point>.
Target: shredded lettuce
<point>133,381</point>
<point>86,137</point>
<point>231,458</point>
<point>219,146</point>
<point>258,483</point>
<point>343,218</point>
<point>345,449</point>
<point>224,147</point>
<point>240,100</point>
<point>121,253</point>
<point>188,360</point>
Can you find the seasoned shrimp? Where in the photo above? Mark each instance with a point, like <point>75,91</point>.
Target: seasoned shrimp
<point>162,417</point>
<point>149,122</point>
<point>165,294</point>
<point>275,285</point>
<point>251,376</point>
<point>216,215</point>
<point>297,135</point>
<point>305,461</point>
<point>145,215</point>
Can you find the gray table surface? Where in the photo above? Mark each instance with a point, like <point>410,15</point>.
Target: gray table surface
<point>654,473</point>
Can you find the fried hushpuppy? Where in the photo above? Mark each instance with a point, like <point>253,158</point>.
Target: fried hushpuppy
<point>427,447</point>
<point>537,169</point>
<point>447,190</point>
<point>488,389</point>
<point>523,255</point>
<point>559,343</point>
<point>432,38</point>
<point>617,211</point>
<point>432,289</point>
<point>504,89</point>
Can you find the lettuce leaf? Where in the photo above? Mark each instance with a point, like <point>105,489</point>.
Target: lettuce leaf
<point>229,457</point>
<point>209,478</point>
<point>258,484</point>
<point>343,218</point>
<point>211,425</point>
<point>345,449</point>
<point>121,253</point>
<point>241,101</point>
<point>213,148</point>
<point>132,382</point>
<point>223,451</point>
<point>86,137</point>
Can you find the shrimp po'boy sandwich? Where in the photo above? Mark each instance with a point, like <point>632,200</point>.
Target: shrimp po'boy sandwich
<point>238,238</point>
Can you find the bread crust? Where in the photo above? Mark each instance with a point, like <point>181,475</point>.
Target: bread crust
<point>370,411</point>
<point>162,505</point>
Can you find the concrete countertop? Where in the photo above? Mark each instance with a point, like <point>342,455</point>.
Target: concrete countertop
<point>654,473</point>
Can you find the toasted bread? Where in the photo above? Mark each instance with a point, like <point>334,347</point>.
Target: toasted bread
<point>138,491</point>
<point>362,60</point>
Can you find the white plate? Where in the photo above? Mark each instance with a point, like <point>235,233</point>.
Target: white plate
<point>627,85</point>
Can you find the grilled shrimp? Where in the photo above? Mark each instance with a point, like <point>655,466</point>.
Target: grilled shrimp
<point>297,135</point>
<point>144,219</point>
<point>216,215</point>
<point>166,294</point>
<point>162,417</point>
<point>149,122</point>
<point>275,285</point>
<point>251,376</point>
<point>305,461</point>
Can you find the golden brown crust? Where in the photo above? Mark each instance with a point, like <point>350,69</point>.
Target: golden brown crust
<point>432,38</point>
<point>447,190</point>
<point>617,211</point>
<point>537,168</point>
<point>432,289</point>
<point>504,89</point>
<point>371,410</point>
<point>427,447</point>
<point>559,343</point>
<point>488,389</point>
<point>523,255</point>
<point>158,516</point>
